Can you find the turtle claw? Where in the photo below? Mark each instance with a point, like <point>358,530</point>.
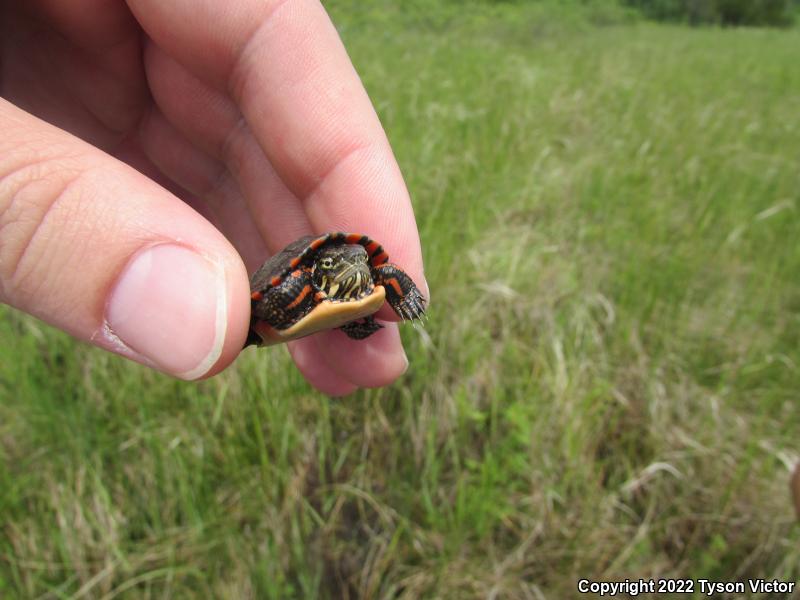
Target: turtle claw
<point>411,307</point>
<point>404,312</point>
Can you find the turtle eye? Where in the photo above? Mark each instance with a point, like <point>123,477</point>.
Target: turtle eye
<point>326,263</point>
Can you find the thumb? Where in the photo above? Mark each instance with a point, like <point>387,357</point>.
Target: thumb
<point>97,249</point>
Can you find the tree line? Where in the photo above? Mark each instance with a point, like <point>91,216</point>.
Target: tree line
<point>776,13</point>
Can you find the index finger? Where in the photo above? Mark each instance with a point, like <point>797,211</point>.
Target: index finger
<point>283,63</point>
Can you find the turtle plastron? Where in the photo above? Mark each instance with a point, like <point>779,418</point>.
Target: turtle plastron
<point>325,315</point>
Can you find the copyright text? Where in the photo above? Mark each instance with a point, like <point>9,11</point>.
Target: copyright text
<point>683,586</point>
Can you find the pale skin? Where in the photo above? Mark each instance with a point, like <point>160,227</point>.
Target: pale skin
<point>154,153</point>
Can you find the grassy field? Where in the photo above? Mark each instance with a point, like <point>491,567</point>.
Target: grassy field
<point>608,387</point>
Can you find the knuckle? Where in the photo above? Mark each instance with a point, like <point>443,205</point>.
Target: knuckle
<point>31,192</point>
<point>239,76</point>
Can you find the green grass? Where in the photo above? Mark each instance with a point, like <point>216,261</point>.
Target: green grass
<point>607,388</point>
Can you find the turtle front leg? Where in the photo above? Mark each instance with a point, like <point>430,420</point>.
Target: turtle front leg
<point>402,295</point>
<point>283,305</point>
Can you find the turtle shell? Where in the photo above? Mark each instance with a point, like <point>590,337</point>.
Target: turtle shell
<point>326,314</point>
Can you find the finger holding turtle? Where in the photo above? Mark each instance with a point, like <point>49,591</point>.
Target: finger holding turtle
<point>290,127</point>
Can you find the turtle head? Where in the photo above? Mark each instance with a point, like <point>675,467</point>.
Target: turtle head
<point>343,273</point>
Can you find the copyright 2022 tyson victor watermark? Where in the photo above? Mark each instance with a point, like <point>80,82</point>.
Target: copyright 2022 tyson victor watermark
<point>709,587</point>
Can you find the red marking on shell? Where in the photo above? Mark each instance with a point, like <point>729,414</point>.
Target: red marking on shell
<point>372,247</point>
<point>256,296</point>
<point>300,297</point>
<point>353,238</point>
<point>319,297</point>
<point>381,258</point>
<point>294,262</point>
<point>318,242</point>
<point>296,273</point>
<point>275,281</point>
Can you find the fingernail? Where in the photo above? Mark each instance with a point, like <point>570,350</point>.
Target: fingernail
<point>426,289</point>
<point>169,305</point>
<point>405,363</point>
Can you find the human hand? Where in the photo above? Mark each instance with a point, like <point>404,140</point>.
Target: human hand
<point>118,119</point>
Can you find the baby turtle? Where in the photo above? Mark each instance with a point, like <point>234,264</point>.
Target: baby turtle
<point>328,281</point>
